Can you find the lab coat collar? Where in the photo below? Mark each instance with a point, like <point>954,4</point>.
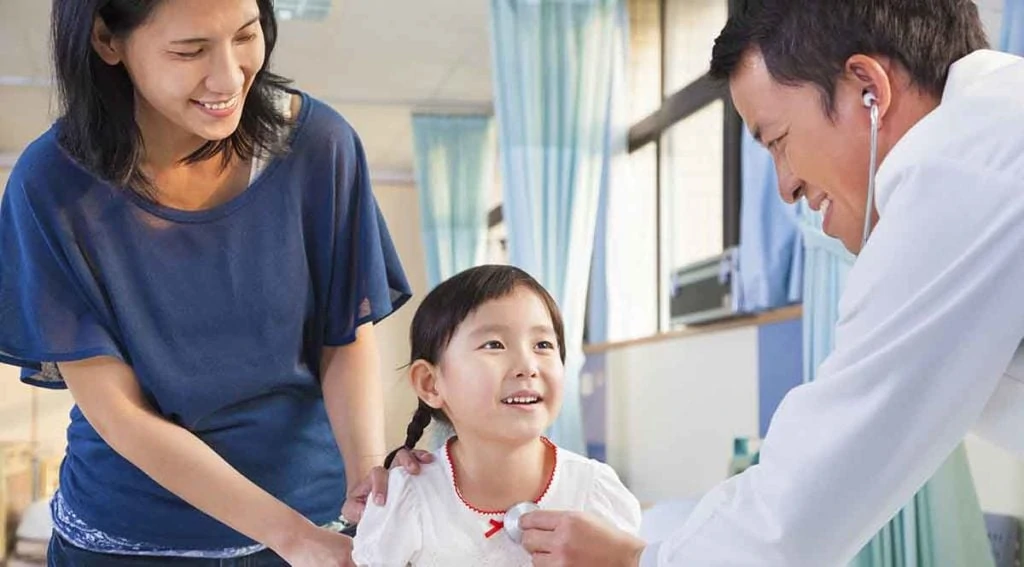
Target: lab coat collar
<point>964,74</point>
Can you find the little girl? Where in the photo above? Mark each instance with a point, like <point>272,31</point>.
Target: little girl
<point>488,354</point>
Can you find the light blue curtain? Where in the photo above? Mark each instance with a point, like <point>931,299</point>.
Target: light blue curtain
<point>770,256</point>
<point>556,67</point>
<point>943,524</point>
<point>1013,27</point>
<point>455,168</point>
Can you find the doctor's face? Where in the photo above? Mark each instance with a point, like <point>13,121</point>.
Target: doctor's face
<point>823,159</point>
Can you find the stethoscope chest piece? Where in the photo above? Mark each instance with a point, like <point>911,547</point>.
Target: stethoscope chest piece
<point>512,517</point>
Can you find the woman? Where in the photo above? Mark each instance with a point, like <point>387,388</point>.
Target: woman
<point>197,255</point>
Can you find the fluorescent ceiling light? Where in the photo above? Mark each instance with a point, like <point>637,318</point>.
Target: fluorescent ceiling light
<point>315,10</point>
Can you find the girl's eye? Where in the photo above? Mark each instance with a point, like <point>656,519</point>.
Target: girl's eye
<point>546,345</point>
<point>493,345</point>
<point>247,38</point>
<point>774,143</point>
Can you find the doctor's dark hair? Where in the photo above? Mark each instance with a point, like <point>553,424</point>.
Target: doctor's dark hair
<point>809,41</point>
<point>446,307</point>
<point>97,102</point>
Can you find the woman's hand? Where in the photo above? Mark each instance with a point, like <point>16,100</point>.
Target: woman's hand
<point>318,547</point>
<point>376,484</point>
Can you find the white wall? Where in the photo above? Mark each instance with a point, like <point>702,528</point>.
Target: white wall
<point>998,477</point>
<point>675,407</point>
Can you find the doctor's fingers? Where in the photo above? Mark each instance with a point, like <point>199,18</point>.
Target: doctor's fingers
<point>540,541</point>
<point>546,560</point>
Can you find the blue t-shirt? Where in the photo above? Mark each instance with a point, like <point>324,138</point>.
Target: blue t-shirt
<point>222,314</point>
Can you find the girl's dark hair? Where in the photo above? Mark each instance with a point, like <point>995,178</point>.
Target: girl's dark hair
<point>97,100</point>
<point>446,307</point>
<point>809,41</point>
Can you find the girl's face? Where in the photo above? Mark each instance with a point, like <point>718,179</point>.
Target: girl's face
<point>192,63</point>
<point>501,376</point>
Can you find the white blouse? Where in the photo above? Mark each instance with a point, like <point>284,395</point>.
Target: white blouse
<point>426,523</point>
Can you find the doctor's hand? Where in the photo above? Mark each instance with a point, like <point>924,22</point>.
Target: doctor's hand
<point>376,484</point>
<point>567,539</point>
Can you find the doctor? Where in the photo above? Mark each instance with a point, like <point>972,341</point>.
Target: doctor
<point>927,344</point>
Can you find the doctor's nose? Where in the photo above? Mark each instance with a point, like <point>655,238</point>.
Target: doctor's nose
<point>791,187</point>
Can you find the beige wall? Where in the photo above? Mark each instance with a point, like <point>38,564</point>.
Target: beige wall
<point>401,211</point>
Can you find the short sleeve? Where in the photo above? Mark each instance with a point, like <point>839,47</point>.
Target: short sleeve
<point>611,501</point>
<point>391,535</point>
<point>46,313</point>
<point>367,279</point>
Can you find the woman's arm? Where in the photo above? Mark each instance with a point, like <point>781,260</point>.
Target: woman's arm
<point>108,393</point>
<point>354,398</point>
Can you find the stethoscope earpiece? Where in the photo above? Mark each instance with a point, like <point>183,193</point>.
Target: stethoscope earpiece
<point>871,102</point>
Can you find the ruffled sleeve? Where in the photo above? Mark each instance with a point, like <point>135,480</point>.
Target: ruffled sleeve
<point>50,313</point>
<point>391,535</point>
<point>367,280</point>
<point>612,502</point>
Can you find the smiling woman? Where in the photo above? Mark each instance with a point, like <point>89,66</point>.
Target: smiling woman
<point>195,252</point>
<point>182,78</point>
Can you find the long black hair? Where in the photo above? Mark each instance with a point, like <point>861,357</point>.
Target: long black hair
<point>97,101</point>
<point>446,307</point>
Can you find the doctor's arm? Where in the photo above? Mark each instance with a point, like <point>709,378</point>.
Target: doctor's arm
<point>932,316</point>
<point>931,319</point>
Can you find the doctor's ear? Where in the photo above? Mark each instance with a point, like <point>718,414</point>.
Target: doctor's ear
<point>424,378</point>
<point>870,77</point>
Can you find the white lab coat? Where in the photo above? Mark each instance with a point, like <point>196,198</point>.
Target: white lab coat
<point>928,346</point>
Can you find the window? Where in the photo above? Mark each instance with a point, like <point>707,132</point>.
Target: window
<point>695,130</point>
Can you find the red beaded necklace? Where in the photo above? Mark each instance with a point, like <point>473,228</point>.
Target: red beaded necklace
<point>497,525</point>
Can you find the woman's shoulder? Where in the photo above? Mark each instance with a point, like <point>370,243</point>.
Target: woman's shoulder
<point>319,124</point>
<point>47,176</point>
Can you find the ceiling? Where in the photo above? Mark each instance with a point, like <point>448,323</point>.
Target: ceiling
<point>376,61</point>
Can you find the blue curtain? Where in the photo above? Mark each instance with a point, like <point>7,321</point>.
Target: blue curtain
<point>1013,27</point>
<point>555,70</point>
<point>943,525</point>
<point>455,168</point>
<point>770,257</point>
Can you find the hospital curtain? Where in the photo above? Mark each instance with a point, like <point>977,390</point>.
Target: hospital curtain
<point>1013,27</point>
<point>455,171</point>
<point>769,262</point>
<point>556,64</point>
<point>943,524</point>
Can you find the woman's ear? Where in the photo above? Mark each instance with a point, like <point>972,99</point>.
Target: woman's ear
<point>104,43</point>
<point>423,376</point>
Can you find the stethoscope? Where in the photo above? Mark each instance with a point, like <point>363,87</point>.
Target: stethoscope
<point>512,516</point>
<point>871,102</point>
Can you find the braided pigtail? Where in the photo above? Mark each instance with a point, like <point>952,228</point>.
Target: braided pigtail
<point>413,433</point>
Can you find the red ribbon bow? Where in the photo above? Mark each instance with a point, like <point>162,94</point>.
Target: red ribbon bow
<point>496,527</point>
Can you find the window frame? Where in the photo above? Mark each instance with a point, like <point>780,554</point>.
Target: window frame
<point>675,108</point>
